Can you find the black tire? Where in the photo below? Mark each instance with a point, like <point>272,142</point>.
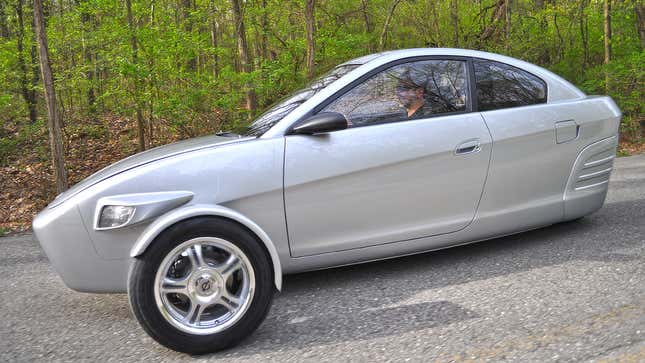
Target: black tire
<point>141,281</point>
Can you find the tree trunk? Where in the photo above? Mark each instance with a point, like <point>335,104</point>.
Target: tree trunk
<point>139,114</point>
<point>454,16</point>
<point>214,43</point>
<point>87,54</point>
<point>4,29</point>
<point>390,14</point>
<point>186,7</point>
<point>28,93</point>
<point>369,27</point>
<point>310,22</point>
<point>35,72</point>
<point>496,17</point>
<point>584,35</point>
<point>507,16</point>
<point>264,25</point>
<point>607,41</point>
<point>53,117</point>
<point>560,46</point>
<point>640,22</point>
<point>243,50</point>
<point>435,23</point>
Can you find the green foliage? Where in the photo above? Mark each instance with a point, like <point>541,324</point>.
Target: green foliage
<point>626,86</point>
<point>8,147</point>
<point>185,85</point>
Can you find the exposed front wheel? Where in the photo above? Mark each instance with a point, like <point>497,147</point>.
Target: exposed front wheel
<point>203,285</point>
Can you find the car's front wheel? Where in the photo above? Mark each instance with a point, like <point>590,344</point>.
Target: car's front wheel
<point>203,285</point>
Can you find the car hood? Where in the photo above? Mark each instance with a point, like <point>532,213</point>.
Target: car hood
<point>146,157</point>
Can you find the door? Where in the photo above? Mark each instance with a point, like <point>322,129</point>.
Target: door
<point>412,163</point>
<point>532,156</point>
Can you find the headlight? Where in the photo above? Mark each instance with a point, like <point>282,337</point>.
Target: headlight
<point>117,211</point>
<point>115,215</point>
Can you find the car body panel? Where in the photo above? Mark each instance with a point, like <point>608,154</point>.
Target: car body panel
<point>67,246</point>
<point>302,195</point>
<point>146,157</point>
<point>392,182</point>
<point>231,181</point>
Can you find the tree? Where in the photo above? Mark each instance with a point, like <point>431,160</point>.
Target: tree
<point>640,22</point>
<point>607,23</point>
<point>369,26</point>
<point>264,28</point>
<point>88,25</point>
<point>245,59</point>
<point>135,61</point>
<point>214,30</point>
<point>310,22</point>
<point>53,119</point>
<point>584,33</point>
<point>386,25</point>
<point>507,16</point>
<point>4,29</point>
<point>454,15</point>
<point>28,92</point>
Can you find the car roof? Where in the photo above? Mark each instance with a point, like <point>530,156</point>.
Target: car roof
<point>559,88</point>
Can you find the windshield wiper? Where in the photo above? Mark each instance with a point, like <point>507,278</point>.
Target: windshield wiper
<point>227,134</point>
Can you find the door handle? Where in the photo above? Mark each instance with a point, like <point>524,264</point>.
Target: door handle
<point>468,147</point>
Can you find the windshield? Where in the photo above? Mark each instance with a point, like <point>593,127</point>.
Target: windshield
<point>283,107</point>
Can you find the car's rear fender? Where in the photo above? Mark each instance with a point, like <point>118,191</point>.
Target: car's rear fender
<point>163,222</point>
<point>588,180</point>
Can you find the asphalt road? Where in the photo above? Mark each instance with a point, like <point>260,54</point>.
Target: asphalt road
<point>569,292</point>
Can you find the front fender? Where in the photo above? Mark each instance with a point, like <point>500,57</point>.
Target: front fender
<point>177,215</point>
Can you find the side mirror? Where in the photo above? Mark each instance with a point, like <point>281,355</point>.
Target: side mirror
<point>321,123</point>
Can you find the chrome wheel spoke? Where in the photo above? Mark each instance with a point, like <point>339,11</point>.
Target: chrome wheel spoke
<point>175,286</point>
<point>195,312</point>
<point>195,255</point>
<point>229,266</point>
<point>230,302</point>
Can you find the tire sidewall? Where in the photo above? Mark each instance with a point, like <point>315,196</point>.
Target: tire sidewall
<point>141,282</point>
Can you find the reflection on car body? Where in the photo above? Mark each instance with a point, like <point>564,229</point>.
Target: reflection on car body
<point>389,154</point>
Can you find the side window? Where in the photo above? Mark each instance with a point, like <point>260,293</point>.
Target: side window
<point>406,91</point>
<point>502,86</point>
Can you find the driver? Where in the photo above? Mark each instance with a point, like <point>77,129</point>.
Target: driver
<point>412,95</point>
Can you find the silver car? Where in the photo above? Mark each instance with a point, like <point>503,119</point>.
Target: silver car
<point>386,155</point>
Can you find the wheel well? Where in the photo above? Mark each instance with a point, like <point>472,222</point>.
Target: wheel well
<point>272,257</point>
<point>257,238</point>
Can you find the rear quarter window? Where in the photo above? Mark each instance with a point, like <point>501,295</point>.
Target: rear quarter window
<point>500,86</point>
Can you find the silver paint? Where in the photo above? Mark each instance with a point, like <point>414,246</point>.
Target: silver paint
<point>354,195</point>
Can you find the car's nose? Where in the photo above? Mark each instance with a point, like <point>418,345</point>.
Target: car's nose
<point>66,243</point>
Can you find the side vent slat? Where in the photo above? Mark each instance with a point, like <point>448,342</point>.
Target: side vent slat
<point>595,171</point>
<point>590,164</point>
<point>592,185</point>
<point>593,175</point>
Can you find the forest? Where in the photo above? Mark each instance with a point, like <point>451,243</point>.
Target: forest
<point>88,82</point>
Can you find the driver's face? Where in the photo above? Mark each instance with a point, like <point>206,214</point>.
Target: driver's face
<point>408,96</point>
